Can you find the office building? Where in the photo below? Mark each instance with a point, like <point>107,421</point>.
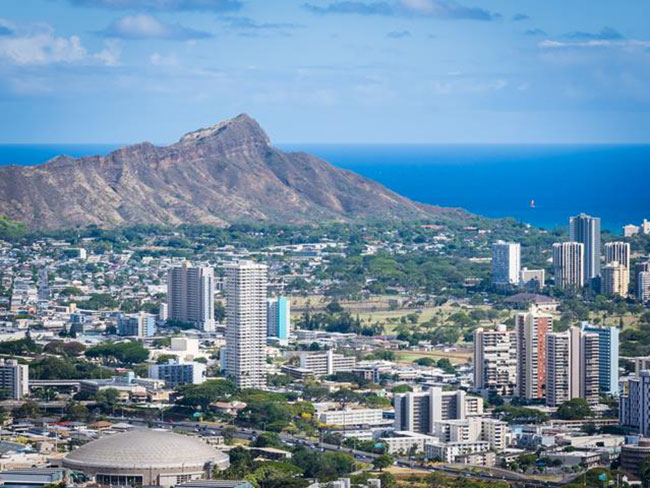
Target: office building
<point>495,360</point>
<point>190,295</point>
<point>568,265</point>
<point>175,373</point>
<point>14,378</point>
<point>532,328</point>
<point>140,324</point>
<point>278,319</point>
<point>643,286</point>
<point>532,279</point>
<point>615,279</point>
<point>417,412</point>
<point>326,363</point>
<point>506,263</point>
<point>633,455</point>
<point>246,284</point>
<point>608,344</point>
<point>586,230</point>
<point>634,404</point>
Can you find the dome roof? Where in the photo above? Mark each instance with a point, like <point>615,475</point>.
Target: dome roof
<point>143,448</point>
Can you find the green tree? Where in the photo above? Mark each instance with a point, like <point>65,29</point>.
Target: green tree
<point>383,461</point>
<point>575,409</point>
<point>644,472</point>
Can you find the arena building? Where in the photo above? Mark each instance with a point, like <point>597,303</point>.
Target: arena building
<point>146,457</point>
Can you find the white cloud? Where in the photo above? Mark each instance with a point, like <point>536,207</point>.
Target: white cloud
<point>550,43</point>
<point>145,26</point>
<point>158,59</point>
<point>38,45</point>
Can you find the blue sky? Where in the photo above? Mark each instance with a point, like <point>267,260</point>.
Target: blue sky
<point>432,71</point>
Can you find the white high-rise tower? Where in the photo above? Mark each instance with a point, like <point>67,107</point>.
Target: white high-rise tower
<point>586,230</point>
<point>506,263</point>
<point>190,295</point>
<point>245,356</point>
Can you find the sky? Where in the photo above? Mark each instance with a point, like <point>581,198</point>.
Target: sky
<point>327,71</point>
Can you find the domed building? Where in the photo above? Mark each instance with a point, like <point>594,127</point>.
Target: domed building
<point>146,457</point>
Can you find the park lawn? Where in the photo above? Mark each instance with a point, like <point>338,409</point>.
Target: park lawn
<point>456,357</point>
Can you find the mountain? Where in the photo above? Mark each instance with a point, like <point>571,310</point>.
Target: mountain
<point>226,173</point>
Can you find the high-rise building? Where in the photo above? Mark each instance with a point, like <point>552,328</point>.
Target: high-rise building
<point>568,264</point>
<point>14,378</point>
<point>572,367</point>
<point>278,318</point>
<point>618,252</point>
<point>506,263</point>
<point>615,279</point>
<point>608,344</point>
<point>586,230</point>
<point>139,324</point>
<point>630,230</point>
<point>645,226</point>
<point>246,284</point>
<point>558,368</point>
<point>190,295</point>
<point>495,360</point>
<point>643,286</point>
<point>634,404</point>
<point>532,328</point>
<point>417,412</point>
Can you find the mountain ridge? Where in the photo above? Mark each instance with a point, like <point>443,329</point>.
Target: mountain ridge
<point>221,174</point>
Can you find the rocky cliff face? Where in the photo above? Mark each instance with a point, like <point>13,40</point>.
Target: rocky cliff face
<point>218,175</point>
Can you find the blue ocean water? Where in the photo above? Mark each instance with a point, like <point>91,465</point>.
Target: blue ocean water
<point>609,181</point>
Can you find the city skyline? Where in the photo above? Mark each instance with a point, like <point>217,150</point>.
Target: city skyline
<point>438,71</point>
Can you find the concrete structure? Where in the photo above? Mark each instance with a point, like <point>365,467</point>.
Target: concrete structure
<point>407,441</point>
<point>558,376</point>
<point>634,404</point>
<point>495,360</point>
<point>586,230</point>
<point>532,278</point>
<point>608,356</point>
<point>278,319</point>
<point>14,378</point>
<point>246,284</point>
<point>632,456</point>
<point>447,452</point>
<point>630,230</point>
<point>643,286</point>
<point>417,412</point>
<point>140,324</point>
<point>506,263</point>
<point>175,373</point>
<point>532,328</point>
<point>32,477</point>
<point>615,279</point>
<point>190,295</point>
<point>618,252</point>
<point>568,265</point>
<point>347,417</point>
<point>326,363</point>
<point>645,226</point>
<point>145,457</point>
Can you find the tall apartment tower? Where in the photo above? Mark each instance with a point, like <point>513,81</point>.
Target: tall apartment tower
<point>618,252</point>
<point>586,230</point>
<point>190,295</point>
<point>643,286</point>
<point>278,318</point>
<point>495,360</point>
<point>558,368</point>
<point>506,263</point>
<point>14,378</point>
<point>615,279</point>
<point>532,328</point>
<point>246,284</point>
<point>568,264</point>
<point>608,345</point>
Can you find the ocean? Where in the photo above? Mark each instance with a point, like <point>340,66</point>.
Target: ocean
<point>609,181</point>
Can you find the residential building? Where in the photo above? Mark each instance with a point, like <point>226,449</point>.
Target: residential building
<point>246,284</point>
<point>278,319</point>
<point>14,378</point>
<point>532,278</point>
<point>532,328</point>
<point>630,230</point>
<point>447,452</point>
<point>506,263</point>
<point>140,324</point>
<point>634,404</point>
<point>417,412</point>
<point>618,252</point>
<point>615,279</point>
<point>175,373</point>
<point>326,363</point>
<point>586,230</point>
<point>495,360</point>
<point>608,356</point>
<point>348,417</point>
<point>568,265</point>
<point>645,226</point>
<point>407,441</point>
<point>558,377</point>
<point>643,286</point>
<point>190,295</point>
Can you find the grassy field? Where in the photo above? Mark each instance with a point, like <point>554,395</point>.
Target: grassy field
<point>456,357</point>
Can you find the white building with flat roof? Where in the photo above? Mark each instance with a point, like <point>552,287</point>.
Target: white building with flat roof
<point>506,263</point>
